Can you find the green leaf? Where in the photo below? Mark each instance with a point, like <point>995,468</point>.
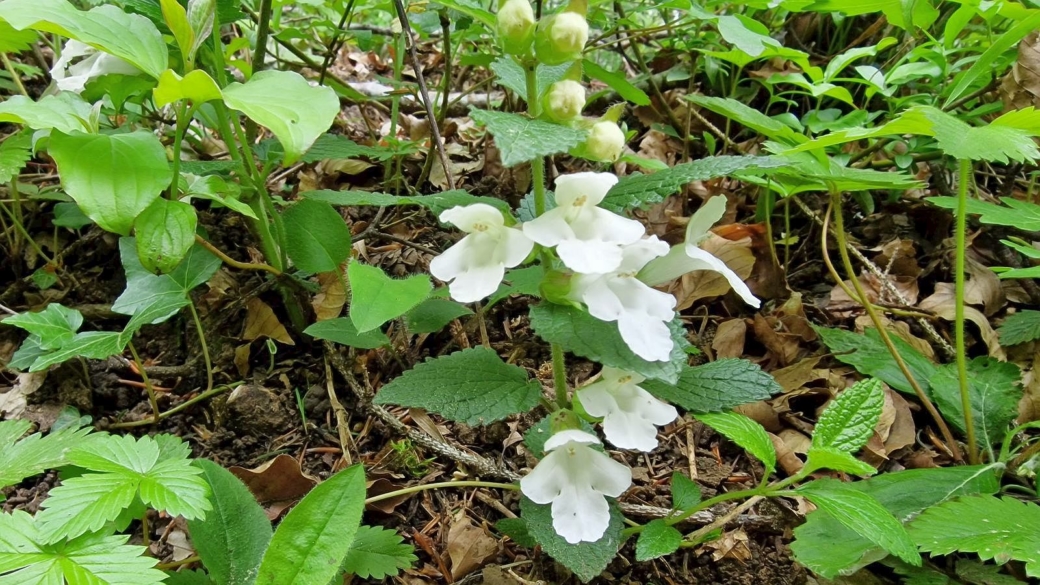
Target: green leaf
<point>716,386</point>
<point>587,559</point>
<point>521,139</point>
<point>864,514</point>
<point>1020,327</point>
<point>165,231</point>
<point>186,577</point>
<point>972,571</point>
<point>849,420</point>
<point>34,454</point>
<point>15,41</point>
<point>749,117</point>
<point>176,17</point>
<point>983,67</point>
<point>475,12</point>
<point>870,357</point>
<point>432,315</point>
<point>336,146</point>
<point>746,433</point>
<point>991,143</point>
<point>436,202</point>
<point>342,331</point>
<point>231,539</point>
<point>124,468</point>
<point>473,386</point>
<point>113,178</point>
<point>518,281</point>
<point>686,493</point>
<point>214,188</point>
<point>511,75</point>
<point>94,559</point>
<point>617,82</point>
<point>998,529</point>
<point>994,388</point>
<point>197,86</point>
<point>68,214</point>
<point>588,337</point>
<point>26,356</point>
<point>283,101</point>
<point>837,460</point>
<point>657,540</point>
<point>197,267</point>
<point>375,298</point>
<point>637,190</point>
<point>314,538</point>
<point>536,436</point>
<point>516,529</point>
<point>830,548</point>
<point>95,345</point>
<point>1018,214</point>
<point>130,37</point>
<point>65,112</point>
<point>378,553</point>
<point>316,237</point>
<point>15,151</point>
<point>55,326</point>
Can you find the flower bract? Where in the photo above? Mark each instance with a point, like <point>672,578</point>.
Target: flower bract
<point>92,64</point>
<point>630,414</point>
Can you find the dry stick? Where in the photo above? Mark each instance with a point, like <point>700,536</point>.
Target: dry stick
<point>944,345</point>
<point>435,132</point>
<point>839,230</point>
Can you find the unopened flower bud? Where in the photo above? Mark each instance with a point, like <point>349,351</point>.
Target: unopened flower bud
<point>605,142</point>
<point>561,38</point>
<point>516,26</point>
<point>564,100</point>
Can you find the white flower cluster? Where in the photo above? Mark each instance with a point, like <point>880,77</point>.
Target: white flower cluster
<point>615,266</point>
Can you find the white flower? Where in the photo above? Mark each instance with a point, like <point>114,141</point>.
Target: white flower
<point>630,414</point>
<point>588,239</point>
<point>575,478</point>
<point>640,311</point>
<point>74,77</point>
<point>689,256</point>
<point>476,264</point>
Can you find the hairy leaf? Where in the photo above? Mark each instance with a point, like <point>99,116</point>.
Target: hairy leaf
<point>994,388</point>
<point>342,330</point>
<point>1020,327</point>
<point>869,355</point>
<point>586,559</point>
<point>657,540</point>
<point>521,139</point>
<point>378,553</point>
<point>317,238</point>
<point>716,386</point>
<point>849,420</point>
<point>744,432</point>
<point>376,298</point>
<point>436,202</point>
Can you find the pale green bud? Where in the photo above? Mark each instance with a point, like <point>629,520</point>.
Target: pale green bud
<point>563,420</point>
<point>564,100</point>
<point>516,26</point>
<point>561,38</point>
<point>605,142</point>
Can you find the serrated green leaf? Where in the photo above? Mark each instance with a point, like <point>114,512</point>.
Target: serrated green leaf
<point>233,536</point>
<point>336,146</point>
<point>188,577</point>
<point>636,190</point>
<point>130,37</point>
<point>716,386</point>
<point>314,538</point>
<point>746,433</point>
<point>588,337</point>
<point>657,540</point>
<point>749,117</point>
<point>341,330</point>
<point>113,178</point>
<point>849,420</point>
<point>15,41</point>
<point>15,150</point>
<point>983,66</point>
<point>999,529</point>
<point>870,357</point>
<point>376,298</point>
<point>829,548</point>
<point>1020,327</point>
<point>283,101</point>
<point>65,112</point>
<point>995,390</point>
<point>378,553</point>
<point>33,454</point>
<point>836,460</point>
<point>432,315</point>
<point>94,559</point>
<point>516,529</point>
<point>686,493</point>
<point>55,326</point>
<point>317,238</point>
<point>436,202</point>
<point>864,514</point>
<point>518,281</point>
<point>165,231</point>
<point>473,386</point>
<point>521,139</point>
<point>587,559</point>
<point>95,345</point>
<point>992,143</point>
<point>976,573</point>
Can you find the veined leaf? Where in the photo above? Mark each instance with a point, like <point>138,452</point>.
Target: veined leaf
<point>657,540</point>
<point>56,325</point>
<point>436,202</point>
<point>586,559</point>
<point>24,457</point>
<point>317,238</point>
<point>1020,327</point>
<point>849,420</point>
<point>376,298</point>
<point>521,139</point>
<point>716,386</point>
<point>746,433</point>
<point>995,390</point>
<point>866,353</point>
<point>378,553</point>
<point>65,112</point>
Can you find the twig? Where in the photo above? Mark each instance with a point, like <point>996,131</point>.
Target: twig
<point>435,132</point>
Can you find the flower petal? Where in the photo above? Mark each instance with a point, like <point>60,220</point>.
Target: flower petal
<point>708,215</point>
<point>597,399</point>
<point>607,476</point>
<point>476,283</point>
<point>601,301</point>
<point>468,217</point>
<point>638,298</point>
<point>513,247</point>
<point>580,514</point>
<point>455,260</point>
<point>651,408</point>
<point>550,228</point>
<point>637,254</point>
<point>647,338</point>
<point>589,256</point>
<point>627,430</point>
<point>594,223</point>
<point>738,284</point>
<point>593,186</point>
<point>571,436</point>
<point>546,481</point>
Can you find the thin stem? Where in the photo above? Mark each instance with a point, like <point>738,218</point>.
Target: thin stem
<point>14,74</point>
<point>184,405</point>
<point>25,234</point>
<point>334,44</point>
<point>202,342</point>
<point>559,375</point>
<point>958,318</point>
<point>235,263</point>
<point>839,233</point>
<point>263,30</point>
<point>147,384</point>
<point>183,117</point>
<point>438,485</point>
<point>146,538</point>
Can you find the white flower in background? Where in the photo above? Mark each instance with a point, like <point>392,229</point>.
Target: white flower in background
<point>74,77</point>
<point>475,265</point>
<point>588,239</point>
<point>640,311</point>
<point>689,256</point>
<point>575,479</point>
<point>630,414</point>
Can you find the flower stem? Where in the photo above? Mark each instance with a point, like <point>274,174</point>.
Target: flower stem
<point>441,484</point>
<point>958,319</point>
<point>202,342</point>
<point>559,375</point>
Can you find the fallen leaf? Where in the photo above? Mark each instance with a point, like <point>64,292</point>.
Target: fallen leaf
<point>1020,88</point>
<point>1029,406</point>
<point>902,433</point>
<point>328,302</point>
<point>242,359</point>
<point>380,486</point>
<point>178,540</point>
<point>469,546</point>
<point>276,484</point>
<point>943,302</point>
<point>762,412</point>
<point>782,345</point>
<point>262,322</point>
<point>732,545</point>
<point>14,401</point>
<point>983,288</point>
<point>701,284</point>
<point>729,339</point>
<point>797,375</point>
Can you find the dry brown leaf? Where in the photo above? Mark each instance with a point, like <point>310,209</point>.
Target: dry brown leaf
<point>242,359</point>
<point>902,433</point>
<point>782,345</point>
<point>943,302</point>
<point>702,284</point>
<point>13,402</point>
<point>797,441</point>
<point>762,412</point>
<point>469,546</point>
<point>382,485</point>
<point>178,540</point>
<point>785,457</point>
<point>795,376</point>
<point>1029,406</point>
<point>901,329</point>
<point>1020,88</point>
<point>424,422</point>
<point>733,545</point>
<point>792,315</point>
<point>276,484</point>
<point>983,288</point>
<point>262,322</point>
<point>331,296</point>
<point>729,339</point>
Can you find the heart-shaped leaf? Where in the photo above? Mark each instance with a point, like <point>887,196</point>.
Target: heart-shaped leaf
<point>375,298</point>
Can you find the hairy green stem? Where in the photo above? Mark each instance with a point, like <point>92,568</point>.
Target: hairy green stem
<point>964,167</point>
<point>202,342</point>
<point>438,485</point>
<point>559,375</point>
